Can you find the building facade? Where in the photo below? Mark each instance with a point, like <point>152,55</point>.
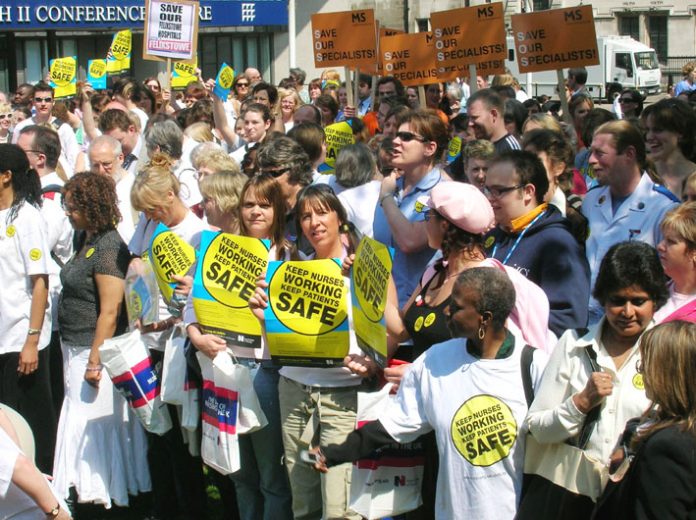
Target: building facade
<point>256,32</point>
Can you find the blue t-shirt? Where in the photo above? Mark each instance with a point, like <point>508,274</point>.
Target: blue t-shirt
<point>408,267</point>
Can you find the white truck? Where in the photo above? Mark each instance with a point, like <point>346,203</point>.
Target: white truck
<point>624,63</point>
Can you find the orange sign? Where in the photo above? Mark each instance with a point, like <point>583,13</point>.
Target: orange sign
<point>345,39</point>
<point>469,35</point>
<point>409,57</point>
<point>555,39</point>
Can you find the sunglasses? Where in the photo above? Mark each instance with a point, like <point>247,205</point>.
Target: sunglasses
<point>3,116</point>
<point>410,136</point>
<point>242,85</point>
<point>43,99</point>
<point>627,100</point>
<point>275,173</point>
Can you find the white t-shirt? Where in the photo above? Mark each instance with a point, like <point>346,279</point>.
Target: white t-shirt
<point>142,117</point>
<point>360,203</point>
<point>476,408</point>
<point>23,252</point>
<point>189,229</point>
<point>126,227</point>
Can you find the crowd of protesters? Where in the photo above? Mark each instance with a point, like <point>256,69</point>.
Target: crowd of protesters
<point>544,268</point>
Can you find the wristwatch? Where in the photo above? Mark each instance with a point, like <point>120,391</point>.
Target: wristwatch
<point>53,513</point>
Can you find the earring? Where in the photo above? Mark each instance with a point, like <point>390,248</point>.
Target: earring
<point>481,332</point>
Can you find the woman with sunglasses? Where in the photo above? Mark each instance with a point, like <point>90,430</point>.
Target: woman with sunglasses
<point>591,388</point>
<point>5,123</point>
<point>399,221</point>
<point>631,103</point>
<point>262,487</point>
<point>330,394</point>
<point>670,128</point>
<point>98,436</point>
<point>660,481</point>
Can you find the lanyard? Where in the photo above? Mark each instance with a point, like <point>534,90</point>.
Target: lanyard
<point>519,238</point>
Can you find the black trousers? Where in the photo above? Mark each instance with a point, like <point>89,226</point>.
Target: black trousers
<point>30,395</point>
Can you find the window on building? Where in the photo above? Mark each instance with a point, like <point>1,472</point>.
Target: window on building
<point>628,26</point>
<point>422,24</point>
<point>657,30</point>
<point>541,5</point>
<point>239,51</point>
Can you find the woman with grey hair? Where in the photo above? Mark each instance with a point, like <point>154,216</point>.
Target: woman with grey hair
<point>355,166</point>
<point>168,138</point>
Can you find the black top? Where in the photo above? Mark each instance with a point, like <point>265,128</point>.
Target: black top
<point>78,308</point>
<point>660,483</point>
<point>426,325</point>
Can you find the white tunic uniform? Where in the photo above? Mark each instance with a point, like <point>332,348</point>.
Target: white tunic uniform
<point>638,218</point>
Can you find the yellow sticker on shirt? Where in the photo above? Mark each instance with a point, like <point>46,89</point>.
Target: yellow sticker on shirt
<point>35,254</point>
<point>418,325</point>
<point>638,382</point>
<point>484,430</point>
<point>89,252</point>
<point>10,231</point>
<point>489,242</point>
<point>429,319</point>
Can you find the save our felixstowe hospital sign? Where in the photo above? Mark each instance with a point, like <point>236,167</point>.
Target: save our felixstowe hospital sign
<point>171,29</point>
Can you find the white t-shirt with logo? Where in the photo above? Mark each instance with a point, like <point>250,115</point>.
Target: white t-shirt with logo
<point>23,253</point>
<point>477,409</point>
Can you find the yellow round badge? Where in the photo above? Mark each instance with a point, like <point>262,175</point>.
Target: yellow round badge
<point>489,242</point>
<point>35,254</point>
<point>429,319</point>
<point>10,231</point>
<point>418,325</point>
<point>484,430</point>
<point>89,252</point>
<point>638,382</point>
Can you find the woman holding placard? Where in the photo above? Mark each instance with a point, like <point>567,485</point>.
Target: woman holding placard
<point>327,394</point>
<point>155,192</point>
<point>261,485</point>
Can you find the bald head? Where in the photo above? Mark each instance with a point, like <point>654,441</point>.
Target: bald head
<point>253,75</point>
<point>106,156</point>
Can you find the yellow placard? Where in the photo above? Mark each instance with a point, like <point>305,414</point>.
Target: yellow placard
<point>225,279</point>
<point>555,39</point>
<point>118,59</point>
<point>183,73</point>
<point>469,35</point>
<point>307,315</point>
<point>370,281</point>
<point>347,38</point>
<point>337,136</point>
<point>170,255</point>
<point>63,76</point>
<point>409,57</point>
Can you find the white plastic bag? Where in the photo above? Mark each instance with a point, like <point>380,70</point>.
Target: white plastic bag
<point>389,482</point>
<point>219,407</point>
<point>251,416</point>
<point>128,363</point>
<point>174,367</point>
<point>191,405</point>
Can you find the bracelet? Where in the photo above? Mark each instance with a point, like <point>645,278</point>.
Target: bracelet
<point>53,513</point>
<point>94,369</point>
<point>383,197</point>
<point>33,332</point>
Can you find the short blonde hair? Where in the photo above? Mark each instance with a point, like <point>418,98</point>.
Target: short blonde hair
<point>682,221</point>
<point>214,159</point>
<point>5,108</point>
<point>199,132</point>
<point>153,184</point>
<point>225,188</point>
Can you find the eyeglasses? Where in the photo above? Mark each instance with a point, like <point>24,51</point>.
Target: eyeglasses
<point>43,99</point>
<point>496,193</point>
<point>410,136</point>
<point>274,172</point>
<point>627,100</point>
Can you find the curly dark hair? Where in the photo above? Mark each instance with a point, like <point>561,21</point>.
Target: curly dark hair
<point>94,195</point>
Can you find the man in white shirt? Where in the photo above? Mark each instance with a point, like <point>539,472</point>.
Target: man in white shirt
<point>120,125</point>
<point>627,204</point>
<point>106,157</point>
<point>43,105</point>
